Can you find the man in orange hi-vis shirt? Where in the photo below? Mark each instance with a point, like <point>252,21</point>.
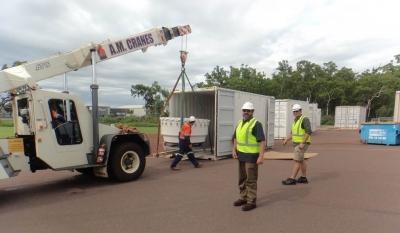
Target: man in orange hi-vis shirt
<point>185,147</point>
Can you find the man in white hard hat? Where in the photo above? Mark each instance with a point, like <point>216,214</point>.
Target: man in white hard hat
<point>300,135</point>
<point>248,149</point>
<point>185,147</point>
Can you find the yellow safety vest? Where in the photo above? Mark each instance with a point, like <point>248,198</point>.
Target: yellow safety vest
<point>246,141</point>
<point>298,132</point>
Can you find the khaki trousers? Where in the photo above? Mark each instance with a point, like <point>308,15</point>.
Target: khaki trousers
<point>248,174</point>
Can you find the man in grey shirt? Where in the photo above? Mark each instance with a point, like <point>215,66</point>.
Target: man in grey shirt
<point>300,135</point>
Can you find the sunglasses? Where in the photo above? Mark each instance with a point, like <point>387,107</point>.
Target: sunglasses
<point>246,110</point>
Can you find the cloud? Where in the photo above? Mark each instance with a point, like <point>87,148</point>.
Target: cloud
<point>355,34</point>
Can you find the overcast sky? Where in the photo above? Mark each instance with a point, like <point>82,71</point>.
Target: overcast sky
<point>357,34</point>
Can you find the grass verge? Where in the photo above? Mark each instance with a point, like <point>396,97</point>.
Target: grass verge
<point>6,132</point>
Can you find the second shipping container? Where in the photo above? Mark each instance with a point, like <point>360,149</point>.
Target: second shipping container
<point>284,116</point>
<point>349,117</point>
<point>223,108</point>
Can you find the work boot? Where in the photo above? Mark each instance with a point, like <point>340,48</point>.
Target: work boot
<point>175,168</point>
<point>302,180</point>
<point>239,202</point>
<point>289,181</point>
<point>198,166</point>
<point>248,207</point>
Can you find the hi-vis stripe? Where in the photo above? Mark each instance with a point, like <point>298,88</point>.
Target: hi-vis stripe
<point>298,127</point>
<point>250,125</point>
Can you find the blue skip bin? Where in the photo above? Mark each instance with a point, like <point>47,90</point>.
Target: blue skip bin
<point>380,133</point>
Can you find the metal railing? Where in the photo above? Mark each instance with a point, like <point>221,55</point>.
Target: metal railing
<point>382,119</point>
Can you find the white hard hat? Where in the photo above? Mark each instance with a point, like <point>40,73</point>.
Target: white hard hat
<point>296,107</point>
<point>248,105</point>
<point>192,118</point>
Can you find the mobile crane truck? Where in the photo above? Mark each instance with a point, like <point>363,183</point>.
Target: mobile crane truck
<point>56,131</point>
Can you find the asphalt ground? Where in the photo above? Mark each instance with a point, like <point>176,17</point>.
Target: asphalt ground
<point>352,187</point>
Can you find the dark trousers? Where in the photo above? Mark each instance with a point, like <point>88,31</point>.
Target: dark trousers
<point>248,175</point>
<point>184,149</point>
<point>190,156</point>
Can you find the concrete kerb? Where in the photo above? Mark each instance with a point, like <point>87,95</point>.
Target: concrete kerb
<point>329,128</point>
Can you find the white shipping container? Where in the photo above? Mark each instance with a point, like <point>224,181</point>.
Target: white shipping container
<point>396,117</point>
<point>319,113</point>
<point>284,116</point>
<point>223,108</point>
<point>313,115</point>
<point>349,117</point>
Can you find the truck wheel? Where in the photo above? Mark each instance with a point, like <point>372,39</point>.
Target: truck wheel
<point>126,162</point>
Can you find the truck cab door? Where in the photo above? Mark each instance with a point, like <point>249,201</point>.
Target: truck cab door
<point>59,140</point>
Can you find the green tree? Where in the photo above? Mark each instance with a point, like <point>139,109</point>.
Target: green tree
<point>280,83</point>
<point>306,75</point>
<point>331,84</point>
<point>244,78</point>
<point>348,81</point>
<point>328,85</point>
<point>371,86</point>
<point>8,107</point>
<point>248,79</point>
<point>154,96</point>
<point>218,77</point>
<point>18,63</point>
<point>397,57</point>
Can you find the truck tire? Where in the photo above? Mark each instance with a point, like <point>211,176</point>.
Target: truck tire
<point>126,162</point>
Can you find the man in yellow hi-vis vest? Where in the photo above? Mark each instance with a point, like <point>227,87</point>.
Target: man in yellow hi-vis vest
<point>248,148</point>
<point>300,135</point>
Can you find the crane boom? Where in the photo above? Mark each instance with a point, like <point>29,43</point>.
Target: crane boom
<point>32,72</point>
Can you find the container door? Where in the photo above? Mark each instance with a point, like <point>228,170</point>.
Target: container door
<point>225,114</point>
<point>271,123</point>
<point>363,115</point>
<point>353,117</point>
<point>313,116</point>
<point>340,117</point>
<point>281,119</point>
<point>318,117</point>
<point>396,117</point>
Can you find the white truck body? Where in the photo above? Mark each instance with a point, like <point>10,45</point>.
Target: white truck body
<point>74,140</point>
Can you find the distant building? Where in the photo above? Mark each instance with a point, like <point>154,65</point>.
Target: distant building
<point>102,110</point>
<point>119,111</point>
<point>137,110</point>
